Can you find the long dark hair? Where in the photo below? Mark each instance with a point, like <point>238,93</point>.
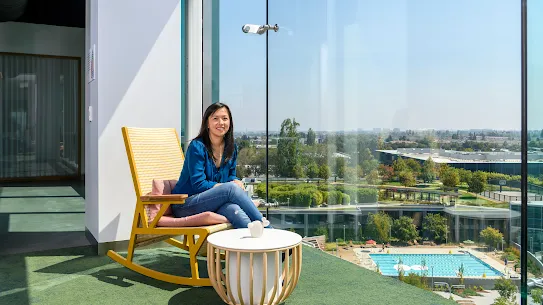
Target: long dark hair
<point>228,137</point>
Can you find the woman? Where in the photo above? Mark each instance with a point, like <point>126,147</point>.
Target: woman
<point>209,173</point>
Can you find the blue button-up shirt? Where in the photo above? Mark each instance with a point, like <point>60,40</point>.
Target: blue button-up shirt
<point>199,171</point>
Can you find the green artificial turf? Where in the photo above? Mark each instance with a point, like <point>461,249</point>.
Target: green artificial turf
<point>77,276</point>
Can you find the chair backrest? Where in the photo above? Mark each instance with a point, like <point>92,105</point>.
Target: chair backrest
<point>153,153</point>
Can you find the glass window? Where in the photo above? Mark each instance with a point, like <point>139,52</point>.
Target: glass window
<point>535,141</point>
<point>40,106</point>
<point>381,116</point>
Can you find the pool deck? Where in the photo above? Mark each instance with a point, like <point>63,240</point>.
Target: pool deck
<point>365,260</point>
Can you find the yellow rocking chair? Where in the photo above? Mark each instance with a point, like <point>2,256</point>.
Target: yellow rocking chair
<point>155,153</point>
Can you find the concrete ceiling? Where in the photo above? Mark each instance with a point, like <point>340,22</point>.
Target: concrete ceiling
<point>70,13</point>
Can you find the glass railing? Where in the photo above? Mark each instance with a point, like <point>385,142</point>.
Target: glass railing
<point>392,129</point>
<point>535,141</point>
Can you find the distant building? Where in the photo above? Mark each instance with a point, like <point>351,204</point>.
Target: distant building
<point>505,162</point>
<point>340,155</point>
<point>463,223</point>
<point>535,224</point>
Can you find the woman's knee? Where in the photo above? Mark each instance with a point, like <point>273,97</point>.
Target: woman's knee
<point>234,190</point>
<point>230,187</point>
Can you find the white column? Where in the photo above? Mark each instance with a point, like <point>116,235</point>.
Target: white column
<point>138,77</point>
<point>194,68</point>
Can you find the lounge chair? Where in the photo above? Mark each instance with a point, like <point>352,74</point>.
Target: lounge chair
<point>156,159</point>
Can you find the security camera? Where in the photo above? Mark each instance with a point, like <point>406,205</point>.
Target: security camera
<point>252,29</point>
<point>258,29</point>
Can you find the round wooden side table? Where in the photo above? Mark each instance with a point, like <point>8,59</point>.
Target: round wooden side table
<point>262,270</point>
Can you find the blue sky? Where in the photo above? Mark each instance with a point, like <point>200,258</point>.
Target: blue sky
<point>347,65</point>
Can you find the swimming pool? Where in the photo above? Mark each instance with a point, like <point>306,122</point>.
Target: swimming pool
<point>445,265</point>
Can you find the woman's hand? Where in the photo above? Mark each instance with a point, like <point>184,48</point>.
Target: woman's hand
<point>239,183</point>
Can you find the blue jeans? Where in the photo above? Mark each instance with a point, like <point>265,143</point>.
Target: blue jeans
<point>227,199</point>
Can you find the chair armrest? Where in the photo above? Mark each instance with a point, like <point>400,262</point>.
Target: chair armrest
<point>164,198</point>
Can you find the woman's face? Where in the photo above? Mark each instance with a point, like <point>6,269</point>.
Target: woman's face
<point>218,123</point>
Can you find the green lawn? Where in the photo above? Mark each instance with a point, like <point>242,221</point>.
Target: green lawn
<point>473,200</point>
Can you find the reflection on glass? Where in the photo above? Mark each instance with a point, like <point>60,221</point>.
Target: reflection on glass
<point>535,154</point>
<point>393,128</point>
<point>40,107</point>
<point>390,132</point>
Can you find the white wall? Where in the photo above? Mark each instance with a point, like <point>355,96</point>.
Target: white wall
<point>43,39</point>
<point>137,84</point>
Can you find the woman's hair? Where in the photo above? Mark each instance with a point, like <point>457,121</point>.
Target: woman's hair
<point>228,137</point>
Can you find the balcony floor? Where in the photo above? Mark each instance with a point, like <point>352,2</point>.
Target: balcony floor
<point>77,276</point>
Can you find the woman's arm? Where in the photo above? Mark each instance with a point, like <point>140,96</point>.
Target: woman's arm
<point>195,163</point>
<point>232,171</point>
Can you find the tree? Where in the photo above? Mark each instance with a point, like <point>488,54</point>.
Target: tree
<point>359,171</point>
<point>242,171</point>
<point>340,143</point>
<point>322,231</point>
<point>324,172</point>
<point>441,169</point>
<point>311,136</point>
<point>340,167</point>
<point>287,148</point>
<point>369,165</point>
<point>450,177</point>
<point>312,170</point>
<point>389,138</point>
<point>242,144</point>
<point>366,155</point>
<point>477,183</point>
<point>428,171</point>
<point>298,171</point>
<point>491,236</point>
<point>404,229</point>
<point>399,165</point>
<point>351,175</point>
<point>413,165</point>
<point>379,226</point>
<point>386,172</point>
<point>435,226</point>
<point>465,175</point>
<point>373,177</point>
<point>407,179</point>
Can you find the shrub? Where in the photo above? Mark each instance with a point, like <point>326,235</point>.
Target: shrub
<point>346,199</point>
<point>510,256</point>
<point>335,197</point>
<point>322,231</point>
<point>512,250</point>
<point>325,196</point>
<point>415,280</point>
<point>366,195</point>
<point>316,197</point>
<point>330,246</point>
<point>505,288</point>
<point>537,295</point>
